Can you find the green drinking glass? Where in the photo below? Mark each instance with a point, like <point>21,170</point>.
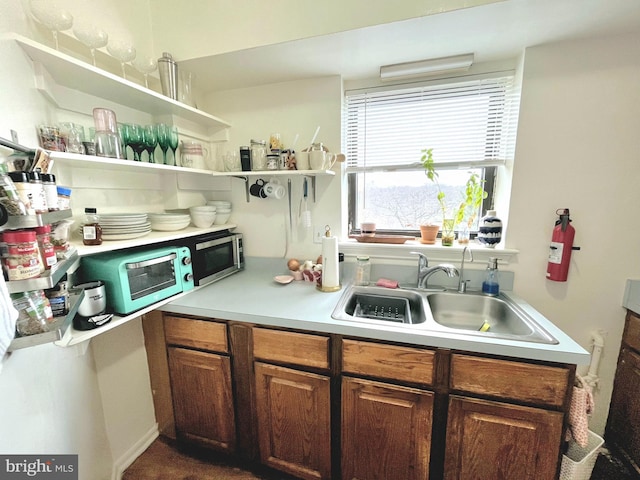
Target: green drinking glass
<point>162,132</point>
<point>174,140</point>
<point>150,140</point>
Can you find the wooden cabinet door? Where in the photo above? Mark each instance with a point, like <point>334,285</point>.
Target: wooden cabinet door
<point>202,398</point>
<point>386,431</point>
<point>294,421</point>
<point>491,441</point>
<point>623,429</point>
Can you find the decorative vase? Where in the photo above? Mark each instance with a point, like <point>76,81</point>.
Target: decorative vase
<point>490,230</point>
<point>429,233</point>
<point>448,232</point>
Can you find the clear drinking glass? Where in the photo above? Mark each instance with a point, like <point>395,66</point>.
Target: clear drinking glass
<point>92,37</point>
<point>145,65</point>
<point>123,52</point>
<point>51,16</point>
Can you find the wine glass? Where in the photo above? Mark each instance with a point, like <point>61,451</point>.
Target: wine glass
<point>122,51</point>
<point>92,37</point>
<point>150,140</point>
<point>145,65</point>
<point>51,16</point>
<point>173,142</point>
<point>162,133</point>
<point>135,139</point>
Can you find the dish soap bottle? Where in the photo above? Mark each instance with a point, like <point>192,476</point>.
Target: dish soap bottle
<point>491,284</point>
<point>91,230</point>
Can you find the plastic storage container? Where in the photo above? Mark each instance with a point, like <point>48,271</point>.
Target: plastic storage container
<point>578,462</point>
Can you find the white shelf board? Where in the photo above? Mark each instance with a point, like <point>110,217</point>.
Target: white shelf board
<point>75,74</point>
<point>149,239</point>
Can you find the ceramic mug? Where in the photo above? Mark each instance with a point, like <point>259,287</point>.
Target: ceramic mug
<point>274,190</point>
<point>321,160</point>
<point>302,161</point>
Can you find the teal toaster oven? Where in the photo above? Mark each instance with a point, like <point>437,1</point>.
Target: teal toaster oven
<point>138,278</point>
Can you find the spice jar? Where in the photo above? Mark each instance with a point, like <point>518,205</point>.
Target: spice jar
<point>20,255</point>
<point>64,198</point>
<point>9,197</point>
<point>25,191</point>
<point>363,270</point>
<point>50,191</point>
<point>47,250</point>
<point>39,200</point>
<point>91,230</point>
<point>34,312</point>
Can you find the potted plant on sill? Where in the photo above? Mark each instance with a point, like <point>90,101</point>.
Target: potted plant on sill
<point>466,212</point>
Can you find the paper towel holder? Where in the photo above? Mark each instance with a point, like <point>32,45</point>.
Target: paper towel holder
<point>321,286</point>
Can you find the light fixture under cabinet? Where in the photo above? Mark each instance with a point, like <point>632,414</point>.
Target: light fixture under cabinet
<point>422,68</point>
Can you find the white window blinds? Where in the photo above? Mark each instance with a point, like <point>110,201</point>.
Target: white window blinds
<point>467,123</point>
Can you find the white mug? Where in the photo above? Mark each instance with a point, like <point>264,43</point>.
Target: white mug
<point>302,161</point>
<point>321,160</point>
<point>274,190</point>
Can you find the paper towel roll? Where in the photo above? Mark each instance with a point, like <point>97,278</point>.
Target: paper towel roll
<point>330,273</point>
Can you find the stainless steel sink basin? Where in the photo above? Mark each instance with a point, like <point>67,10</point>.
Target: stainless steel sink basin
<point>366,304</point>
<point>484,315</point>
<point>466,314</point>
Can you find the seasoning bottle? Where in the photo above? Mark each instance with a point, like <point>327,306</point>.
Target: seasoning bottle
<point>47,250</point>
<point>491,283</point>
<point>39,200</point>
<point>91,230</point>
<point>50,191</point>
<point>363,270</point>
<point>64,198</point>
<point>20,255</point>
<point>24,189</point>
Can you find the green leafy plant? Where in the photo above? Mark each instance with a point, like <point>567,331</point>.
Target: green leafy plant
<point>474,194</point>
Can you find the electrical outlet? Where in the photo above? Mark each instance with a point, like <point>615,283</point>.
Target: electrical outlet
<point>318,233</point>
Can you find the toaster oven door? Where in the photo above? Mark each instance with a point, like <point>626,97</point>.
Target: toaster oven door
<point>150,276</point>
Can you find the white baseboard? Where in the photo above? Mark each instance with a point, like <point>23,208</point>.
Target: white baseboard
<point>121,464</point>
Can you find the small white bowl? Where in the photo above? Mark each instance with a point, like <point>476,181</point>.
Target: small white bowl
<point>203,220</point>
<point>221,219</point>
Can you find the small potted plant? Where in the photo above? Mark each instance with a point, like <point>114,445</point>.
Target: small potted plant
<point>467,209</point>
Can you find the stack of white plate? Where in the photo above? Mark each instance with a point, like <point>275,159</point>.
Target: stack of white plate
<point>223,211</point>
<point>123,226</point>
<point>168,222</point>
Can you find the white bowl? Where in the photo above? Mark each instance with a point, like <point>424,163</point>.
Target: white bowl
<point>221,219</point>
<point>203,220</point>
<point>169,227</point>
<point>219,203</point>
<point>223,210</point>
<point>203,209</point>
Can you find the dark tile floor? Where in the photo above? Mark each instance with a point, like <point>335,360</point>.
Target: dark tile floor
<point>609,467</point>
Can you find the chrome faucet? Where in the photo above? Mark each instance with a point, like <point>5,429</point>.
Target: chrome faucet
<point>424,271</point>
<point>462,283</point>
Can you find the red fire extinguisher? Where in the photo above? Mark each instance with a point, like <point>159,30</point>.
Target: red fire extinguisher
<point>561,247</point>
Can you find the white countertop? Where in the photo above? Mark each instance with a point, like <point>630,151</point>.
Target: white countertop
<point>253,296</point>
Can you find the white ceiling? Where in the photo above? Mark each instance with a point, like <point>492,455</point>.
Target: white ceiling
<point>493,32</point>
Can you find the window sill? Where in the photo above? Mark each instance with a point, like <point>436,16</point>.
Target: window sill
<point>436,253</point>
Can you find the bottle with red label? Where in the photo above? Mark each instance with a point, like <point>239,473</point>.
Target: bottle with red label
<point>47,250</point>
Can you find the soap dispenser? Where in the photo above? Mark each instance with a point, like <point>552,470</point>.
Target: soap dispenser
<point>491,283</point>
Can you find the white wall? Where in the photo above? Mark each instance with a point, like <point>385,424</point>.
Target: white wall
<point>577,148</point>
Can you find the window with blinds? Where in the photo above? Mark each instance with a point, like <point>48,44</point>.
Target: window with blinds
<point>469,125</point>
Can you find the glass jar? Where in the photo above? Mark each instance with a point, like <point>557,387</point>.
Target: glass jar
<point>273,161</point>
<point>258,155</point>
<point>9,197</point>
<point>47,250</point>
<point>363,270</point>
<point>91,230</point>
<point>64,198</point>
<point>23,188</point>
<point>20,255</point>
<point>39,200</point>
<point>50,191</point>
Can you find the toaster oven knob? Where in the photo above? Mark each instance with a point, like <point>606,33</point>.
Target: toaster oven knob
<point>186,261</point>
<point>188,277</point>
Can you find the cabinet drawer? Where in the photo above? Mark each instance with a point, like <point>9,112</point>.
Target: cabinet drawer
<point>388,361</point>
<point>631,334</point>
<point>202,334</point>
<point>536,384</point>
<point>290,347</point>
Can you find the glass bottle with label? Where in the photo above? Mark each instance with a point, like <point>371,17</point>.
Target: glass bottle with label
<point>91,230</point>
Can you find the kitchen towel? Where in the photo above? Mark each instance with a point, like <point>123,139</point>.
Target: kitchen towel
<point>581,407</point>
<point>8,316</point>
